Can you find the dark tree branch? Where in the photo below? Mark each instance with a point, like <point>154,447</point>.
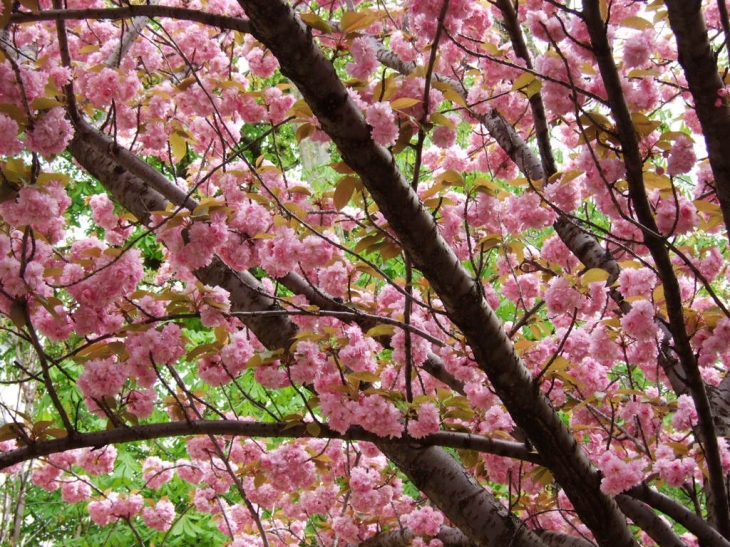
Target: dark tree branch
<point>700,68</point>
<point>655,244</point>
<point>305,65</point>
<point>705,533</point>
<point>242,428</point>
<point>131,11</point>
<point>649,521</point>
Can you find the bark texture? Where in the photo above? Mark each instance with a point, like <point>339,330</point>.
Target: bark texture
<point>274,24</point>
<point>700,68</point>
<point>717,493</point>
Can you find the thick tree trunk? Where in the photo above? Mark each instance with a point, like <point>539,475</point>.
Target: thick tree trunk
<point>274,24</point>
<point>700,68</point>
<point>717,494</point>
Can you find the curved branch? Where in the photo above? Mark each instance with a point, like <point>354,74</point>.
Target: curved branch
<point>131,11</point>
<point>142,190</point>
<point>649,522</point>
<point>705,533</point>
<point>700,68</point>
<point>470,507</point>
<point>243,428</point>
<point>450,537</point>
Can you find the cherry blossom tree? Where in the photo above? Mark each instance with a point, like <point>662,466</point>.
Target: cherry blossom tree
<point>433,272</point>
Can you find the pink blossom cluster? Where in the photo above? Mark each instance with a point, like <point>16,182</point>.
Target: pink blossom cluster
<point>156,472</point>
<point>619,473</point>
<point>114,507</point>
<point>561,297</point>
<point>638,48</point>
<point>41,208</point>
<point>428,421</point>
<point>639,322</point>
<point>290,467</point>
<point>686,415</point>
<point>159,517</point>
<point>50,133</point>
<point>98,461</point>
<point>425,521</point>
<point>381,118</point>
<point>682,156</point>
<point>637,282</point>
<point>673,470</point>
<point>154,346</point>
<point>362,50</point>
<point>102,378</point>
<point>676,215</point>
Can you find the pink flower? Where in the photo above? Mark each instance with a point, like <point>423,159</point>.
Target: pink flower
<point>127,507</point>
<point>425,521</point>
<point>619,474</point>
<point>636,282</point>
<point>100,511</point>
<point>290,467</point>
<point>206,501</point>
<point>675,471</point>
<point>278,103</point>
<point>279,254</point>
<point>686,415</point>
<point>378,415</point>
<point>681,157</point>
<point>363,53</point>
<point>75,491</point>
<point>428,421</point>
<point>592,375</point>
<point>358,353</point>
<point>262,63</point>
<point>10,144</point>
<point>188,472</point>
<point>156,472</point>
<point>160,517</point>
<point>339,416</point>
<point>98,461</point>
<point>102,211</point>
<point>40,208</point>
<point>676,216</point>
<point>639,322</point>
<point>46,477</point>
<point>141,402</point>
<point>443,136</point>
<point>637,49</point>
<point>382,120</point>
<point>102,378</point>
<point>561,297</point>
<point>50,134</point>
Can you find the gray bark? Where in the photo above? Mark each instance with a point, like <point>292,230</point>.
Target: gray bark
<point>700,68</point>
<point>275,25</point>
